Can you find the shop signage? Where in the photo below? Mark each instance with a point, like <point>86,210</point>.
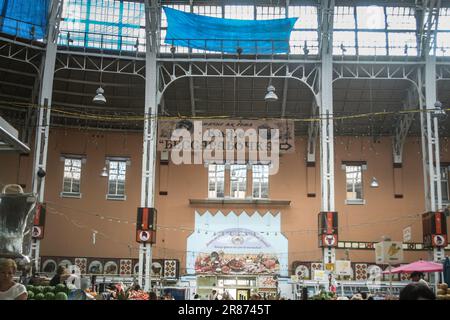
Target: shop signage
<point>407,234</point>
<point>320,275</point>
<point>285,127</point>
<point>218,246</point>
<point>343,268</point>
<point>267,282</point>
<point>329,267</point>
<point>389,252</point>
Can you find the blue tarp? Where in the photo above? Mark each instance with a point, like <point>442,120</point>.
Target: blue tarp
<point>227,35</point>
<point>24,18</point>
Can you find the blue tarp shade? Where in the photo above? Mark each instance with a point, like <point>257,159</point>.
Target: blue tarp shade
<point>24,18</point>
<point>227,35</point>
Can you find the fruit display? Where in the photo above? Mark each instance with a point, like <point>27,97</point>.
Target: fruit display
<point>443,293</point>
<point>46,292</point>
<point>39,296</point>
<point>61,296</point>
<point>49,296</point>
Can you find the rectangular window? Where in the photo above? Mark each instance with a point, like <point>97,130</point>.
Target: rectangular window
<point>304,41</point>
<point>260,181</point>
<point>210,11</point>
<point>372,43</point>
<point>443,44</point>
<point>344,43</point>
<point>265,13</point>
<point>116,179</point>
<point>344,18</point>
<point>307,17</point>
<point>216,181</point>
<point>238,180</point>
<point>400,18</point>
<point>371,17</point>
<point>353,174</point>
<point>240,12</point>
<point>72,177</point>
<point>401,44</point>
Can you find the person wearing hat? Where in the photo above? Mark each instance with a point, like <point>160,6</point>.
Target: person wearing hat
<point>418,277</point>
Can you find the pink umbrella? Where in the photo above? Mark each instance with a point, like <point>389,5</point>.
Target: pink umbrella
<point>418,266</point>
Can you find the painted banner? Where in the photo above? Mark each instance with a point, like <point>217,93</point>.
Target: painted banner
<point>237,244</point>
<point>267,282</point>
<point>221,263</point>
<point>285,127</point>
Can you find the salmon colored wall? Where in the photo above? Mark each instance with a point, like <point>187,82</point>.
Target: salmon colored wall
<point>71,222</point>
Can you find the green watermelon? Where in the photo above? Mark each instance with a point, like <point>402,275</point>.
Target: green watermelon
<point>30,295</point>
<point>39,296</point>
<point>60,288</point>
<point>61,296</point>
<point>49,296</point>
<point>49,289</point>
<point>30,287</point>
<point>38,289</point>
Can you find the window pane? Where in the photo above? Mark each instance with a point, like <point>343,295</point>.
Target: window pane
<point>117,177</point>
<point>344,18</point>
<point>216,181</point>
<point>112,187</point>
<point>444,19</point>
<point>72,175</point>
<point>344,43</point>
<point>354,182</point>
<point>67,186</point>
<point>401,18</point>
<point>307,16</point>
<point>238,180</point>
<point>272,12</point>
<point>401,44</point>
<point>76,187</point>
<point>372,43</point>
<point>260,181</point>
<point>211,11</point>
<point>301,39</point>
<point>443,44</point>
<point>239,12</point>
<point>371,17</point>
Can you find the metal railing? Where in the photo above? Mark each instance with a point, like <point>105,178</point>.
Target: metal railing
<point>112,42</point>
<point>22,29</point>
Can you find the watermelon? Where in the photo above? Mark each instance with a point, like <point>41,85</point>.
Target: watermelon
<point>38,289</point>
<point>30,287</point>
<point>30,295</point>
<point>39,296</point>
<point>60,288</point>
<point>61,296</point>
<point>49,296</point>
<point>49,289</point>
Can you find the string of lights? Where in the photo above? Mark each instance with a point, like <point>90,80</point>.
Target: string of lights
<point>139,117</point>
<point>414,217</point>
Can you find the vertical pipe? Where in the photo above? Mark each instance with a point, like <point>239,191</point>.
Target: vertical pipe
<point>141,264</point>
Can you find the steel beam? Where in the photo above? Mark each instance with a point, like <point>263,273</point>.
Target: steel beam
<point>44,111</point>
<point>404,124</point>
